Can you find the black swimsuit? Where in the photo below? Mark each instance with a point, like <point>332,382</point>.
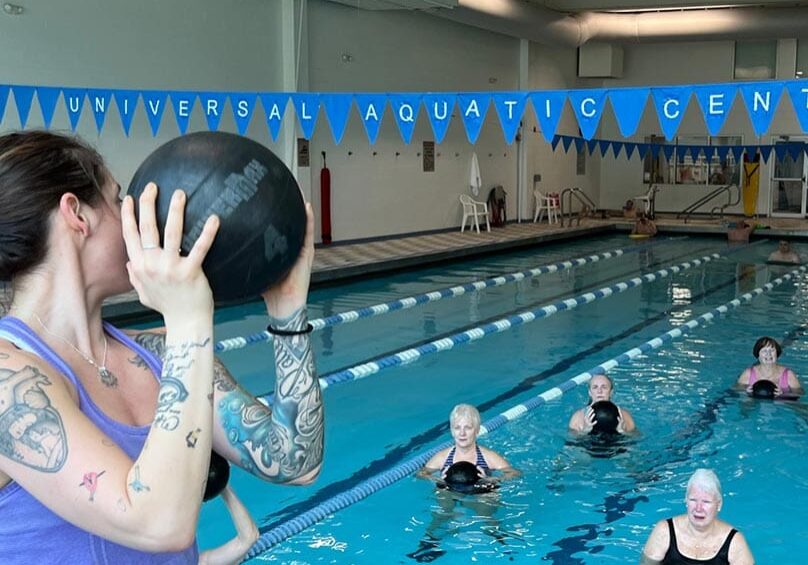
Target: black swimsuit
<point>673,557</point>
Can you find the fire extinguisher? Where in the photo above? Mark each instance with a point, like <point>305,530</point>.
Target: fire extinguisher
<point>325,202</point>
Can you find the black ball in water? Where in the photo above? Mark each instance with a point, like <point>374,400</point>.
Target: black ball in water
<point>606,415</point>
<point>218,475</point>
<point>763,389</point>
<point>461,476</point>
<point>263,218</point>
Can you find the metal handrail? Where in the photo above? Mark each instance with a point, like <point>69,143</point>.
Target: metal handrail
<point>727,188</point>
<point>582,197</point>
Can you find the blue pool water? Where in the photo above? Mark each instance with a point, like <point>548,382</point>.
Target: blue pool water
<point>568,507</point>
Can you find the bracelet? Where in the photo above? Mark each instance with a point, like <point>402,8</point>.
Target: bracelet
<point>275,331</point>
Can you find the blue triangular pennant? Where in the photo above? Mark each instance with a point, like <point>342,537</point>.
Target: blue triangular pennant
<point>765,152</point>
<point>243,105</point>
<point>99,102</point>
<point>405,107</point>
<point>671,104</point>
<point>667,150</point>
<point>47,97</point>
<point>183,103</point>
<point>617,146</point>
<point>798,92</point>
<point>591,144</point>
<point>337,110</point>
<point>580,144</point>
<point>439,108</point>
<point>761,100</point>
<point>74,102</point>
<point>154,102</point>
<point>723,151</point>
<point>556,140</point>
<point>642,150</point>
<point>628,105</point>
<point>548,105</point>
<point>716,102</point>
<point>126,101</point>
<point>588,108</point>
<point>631,148</point>
<point>751,151</point>
<point>655,147</point>
<point>473,108</point>
<point>23,96</point>
<point>566,141</point>
<point>307,109</point>
<point>213,104</point>
<point>371,111</point>
<point>736,151</point>
<point>603,145</point>
<point>4,89</point>
<point>274,104</point>
<point>795,149</point>
<point>510,107</point>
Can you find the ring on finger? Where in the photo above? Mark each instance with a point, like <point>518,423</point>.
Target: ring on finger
<point>146,246</point>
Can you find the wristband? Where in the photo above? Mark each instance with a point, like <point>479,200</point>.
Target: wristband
<point>275,331</point>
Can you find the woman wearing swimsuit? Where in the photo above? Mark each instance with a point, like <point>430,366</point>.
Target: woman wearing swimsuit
<point>464,423</point>
<point>767,351</point>
<point>600,388</point>
<point>697,537</point>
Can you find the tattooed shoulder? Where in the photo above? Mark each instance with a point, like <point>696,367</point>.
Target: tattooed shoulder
<point>154,343</point>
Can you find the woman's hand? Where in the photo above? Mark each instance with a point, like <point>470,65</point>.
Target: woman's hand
<point>589,420</point>
<point>173,285</point>
<point>286,297</point>
<point>620,429</point>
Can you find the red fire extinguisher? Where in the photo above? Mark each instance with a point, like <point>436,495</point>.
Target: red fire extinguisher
<point>325,202</point>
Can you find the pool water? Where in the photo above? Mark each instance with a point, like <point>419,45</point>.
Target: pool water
<point>572,504</point>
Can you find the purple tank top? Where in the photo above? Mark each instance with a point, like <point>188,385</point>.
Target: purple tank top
<point>30,532</point>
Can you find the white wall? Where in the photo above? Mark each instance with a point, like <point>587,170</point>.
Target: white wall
<point>178,44</point>
<point>684,63</point>
<point>405,51</point>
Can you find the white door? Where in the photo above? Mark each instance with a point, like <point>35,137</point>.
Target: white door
<point>788,182</point>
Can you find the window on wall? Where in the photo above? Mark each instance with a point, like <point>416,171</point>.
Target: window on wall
<point>755,59</point>
<point>689,164</point>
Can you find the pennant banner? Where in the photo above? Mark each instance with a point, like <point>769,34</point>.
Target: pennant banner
<point>715,101</point>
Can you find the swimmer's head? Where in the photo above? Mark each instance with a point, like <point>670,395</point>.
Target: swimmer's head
<point>464,422</point>
<point>784,246</point>
<point>704,481</point>
<point>600,388</point>
<point>769,347</point>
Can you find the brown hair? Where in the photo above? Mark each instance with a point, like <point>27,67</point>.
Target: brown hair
<point>36,169</point>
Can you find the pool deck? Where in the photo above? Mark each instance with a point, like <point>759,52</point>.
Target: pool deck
<point>340,262</point>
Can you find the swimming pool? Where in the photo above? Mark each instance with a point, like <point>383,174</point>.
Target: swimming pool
<point>568,507</point>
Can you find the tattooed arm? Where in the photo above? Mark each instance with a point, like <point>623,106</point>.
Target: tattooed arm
<point>282,444</point>
<point>54,452</point>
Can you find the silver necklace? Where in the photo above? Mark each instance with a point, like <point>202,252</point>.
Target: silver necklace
<point>106,376</point>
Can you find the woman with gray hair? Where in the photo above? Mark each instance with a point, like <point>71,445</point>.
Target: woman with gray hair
<point>697,537</point>
<point>464,423</point>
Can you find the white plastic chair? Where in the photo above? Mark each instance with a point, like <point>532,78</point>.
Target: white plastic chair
<point>645,199</point>
<point>474,209</point>
<point>546,204</point>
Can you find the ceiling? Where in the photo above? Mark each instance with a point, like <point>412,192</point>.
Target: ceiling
<point>575,6</point>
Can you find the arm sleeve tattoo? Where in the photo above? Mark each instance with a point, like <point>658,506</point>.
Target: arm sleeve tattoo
<point>286,441</point>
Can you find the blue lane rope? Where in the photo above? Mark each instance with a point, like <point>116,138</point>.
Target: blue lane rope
<point>361,491</point>
<point>444,344</point>
<point>432,296</point>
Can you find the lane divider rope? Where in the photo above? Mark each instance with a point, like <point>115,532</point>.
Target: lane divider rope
<point>410,355</point>
<point>432,296</point>
<point>340,501</point>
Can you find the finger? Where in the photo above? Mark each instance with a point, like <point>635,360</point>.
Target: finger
<point>172,238</point>
<point>131,236</point>
<point>149,235</point>
<point>205,240</point>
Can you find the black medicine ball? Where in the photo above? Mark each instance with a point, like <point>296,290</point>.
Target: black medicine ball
<point>463,477</point>
<point>763,389</point>
<point>218,475</point>
<point>263,218</point>
<point>606,415</point>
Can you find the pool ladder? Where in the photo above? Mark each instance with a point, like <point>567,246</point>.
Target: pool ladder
<point>583,199</point>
